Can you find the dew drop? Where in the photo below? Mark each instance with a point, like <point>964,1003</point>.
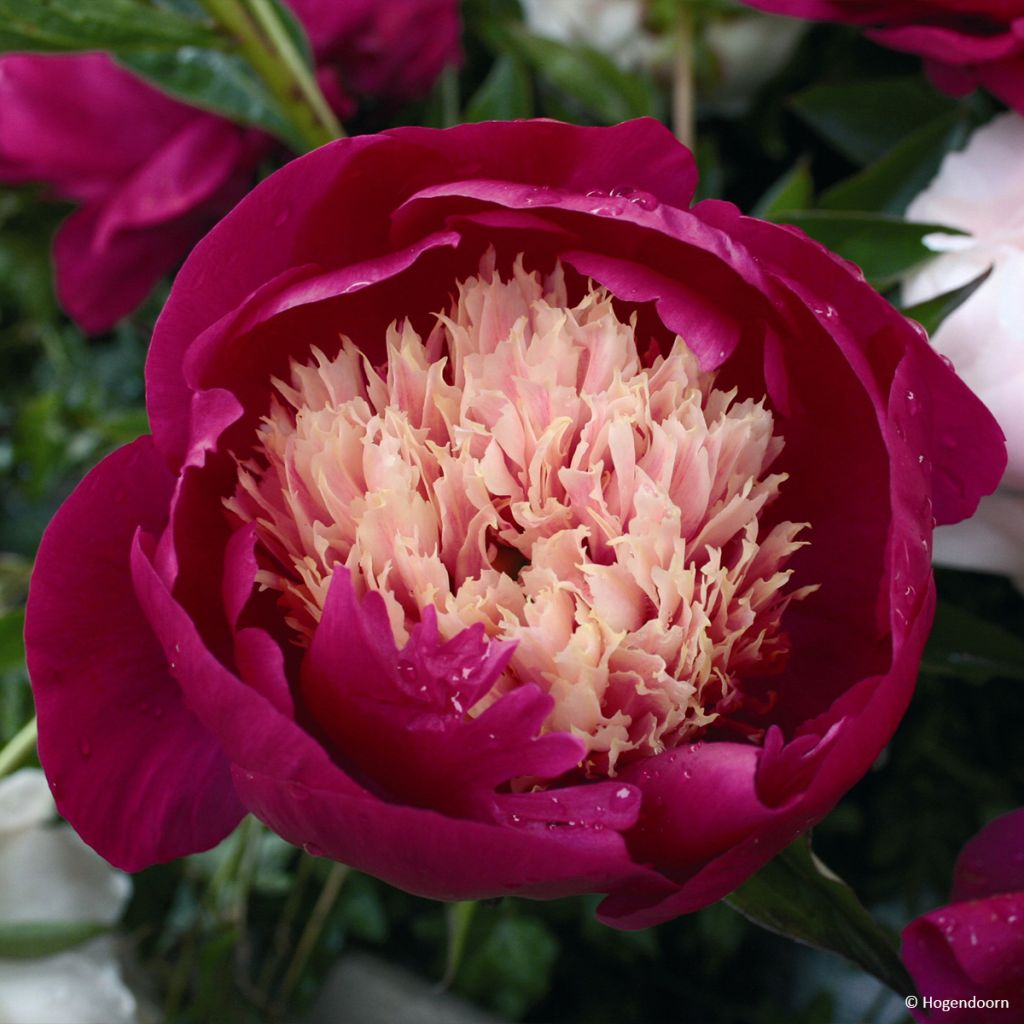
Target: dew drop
<point>312,849</point>
<point>406,670</point>
<point>623,794</point>
<point>158,712</point>
<point>514,819</point>
<point>281,218</point>
<point>298,791</point>
<point>85,748</point>
<point>644,200</point>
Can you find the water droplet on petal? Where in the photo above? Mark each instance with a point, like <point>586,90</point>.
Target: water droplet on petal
<point>312,849</point>
<point>85,748</point>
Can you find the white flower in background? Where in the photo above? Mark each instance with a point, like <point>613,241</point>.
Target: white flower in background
<point>746,48</point>
<point>981,191</point>
<point>47,874</point>
<point>613,27</point>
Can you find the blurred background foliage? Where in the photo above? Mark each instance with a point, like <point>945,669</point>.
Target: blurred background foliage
<point>837,141</point>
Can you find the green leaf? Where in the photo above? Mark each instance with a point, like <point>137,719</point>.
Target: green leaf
<point>930,313</point>
<point>591,78</point>
<point>964,645</point>
<point>12,645</point>
<point>890,183</point>
<point>793,191</point>
<point>222,83</point>
<point>883,246</point>
<point>864,120</point>
<point>795,895</point>
<point>506,93</point>
<point>22,940</point>
<point>125,25</point>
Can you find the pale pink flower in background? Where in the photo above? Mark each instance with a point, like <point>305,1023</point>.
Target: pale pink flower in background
<point>47,874</point>
<point>981,191</point>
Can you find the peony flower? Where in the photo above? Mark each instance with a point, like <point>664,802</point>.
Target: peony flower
<point>47,874</point>
<point>507,526</point>
<point>147,194</point>
<point>972,951</point>
<point>965,43</point>
<point>980,191</point>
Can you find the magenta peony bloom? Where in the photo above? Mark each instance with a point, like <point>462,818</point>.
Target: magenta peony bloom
<point>973,949</point>
<point>507,526</point>
<point>150,175</point>
<point>965,43</point>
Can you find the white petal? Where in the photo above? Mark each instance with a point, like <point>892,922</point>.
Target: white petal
<point>82,986</point>
<point>49,874</point>
<point>25,800</point>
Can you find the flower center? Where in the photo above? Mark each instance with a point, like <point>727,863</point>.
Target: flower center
<point>523,468</point>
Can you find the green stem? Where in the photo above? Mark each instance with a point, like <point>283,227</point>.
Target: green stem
<point>460,917</point>
<point>311,933</point>
<point>19,749</point>
<point>683,115</point>
<point>266,44</point>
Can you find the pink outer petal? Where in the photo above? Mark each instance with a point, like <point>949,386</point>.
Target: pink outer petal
<point>970,949</point>
<point>287,779</point>
<point>993,861</point>
<point>130,767</point>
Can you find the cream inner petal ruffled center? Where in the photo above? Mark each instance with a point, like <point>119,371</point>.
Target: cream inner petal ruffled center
<point>523,467</point>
